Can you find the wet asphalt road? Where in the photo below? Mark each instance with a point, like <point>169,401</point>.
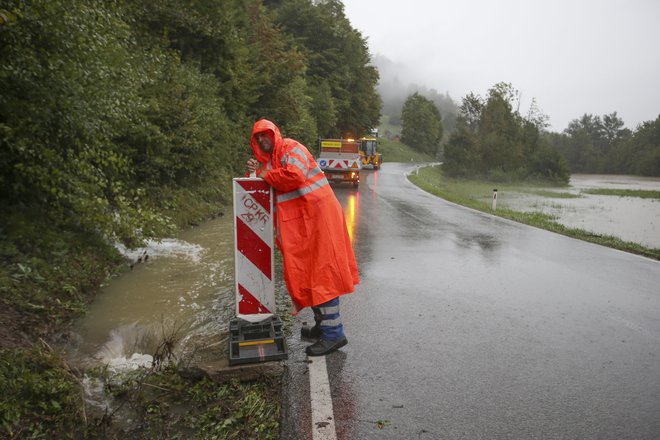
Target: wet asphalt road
<point>467,326</point>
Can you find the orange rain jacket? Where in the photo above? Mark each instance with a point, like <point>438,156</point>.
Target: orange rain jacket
<point>319,263</point>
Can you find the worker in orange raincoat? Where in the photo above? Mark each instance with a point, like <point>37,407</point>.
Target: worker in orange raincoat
<point>319,263</point>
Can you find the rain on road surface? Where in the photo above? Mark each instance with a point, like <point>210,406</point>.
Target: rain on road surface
<point>467,326</point>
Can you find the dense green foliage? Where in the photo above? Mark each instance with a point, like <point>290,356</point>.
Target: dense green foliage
<point>421,125</point>
<point>32,389</point>
<point>69,93</point>
<point>594,144</point>
<point>341,81</point>
<point>492,140</point>
<point>41,398</point>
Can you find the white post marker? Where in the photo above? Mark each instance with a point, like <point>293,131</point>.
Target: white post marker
<point>254,256</point>
<point>494,199</point>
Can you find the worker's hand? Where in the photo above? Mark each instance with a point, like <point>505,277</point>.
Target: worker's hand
<point>252,165</point>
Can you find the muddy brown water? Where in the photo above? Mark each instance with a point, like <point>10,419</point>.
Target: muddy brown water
<point>187,283</point>
<point>185,287</point>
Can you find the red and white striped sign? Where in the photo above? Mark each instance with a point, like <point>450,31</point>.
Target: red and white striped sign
<point>253,252</point>
<point>342,164</point>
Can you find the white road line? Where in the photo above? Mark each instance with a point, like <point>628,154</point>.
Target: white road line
<point>323,418</point>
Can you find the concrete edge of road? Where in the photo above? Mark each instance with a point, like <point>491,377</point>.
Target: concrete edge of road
<point>323,419</point>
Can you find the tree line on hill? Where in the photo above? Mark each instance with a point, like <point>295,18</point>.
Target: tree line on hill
<point>487,137</point>
<point>394,93</point>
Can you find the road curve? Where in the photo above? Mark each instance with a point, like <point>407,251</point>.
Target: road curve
<point>468,326</point>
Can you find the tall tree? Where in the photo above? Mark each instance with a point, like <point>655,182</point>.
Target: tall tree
<point>587,141</point>
<point>281,85</point>
<point>500,131</point>
<point>646,142</point>
<point>70,81</point>
<point>421,124</point>
<point>338,60</point>
<point>612,130</point>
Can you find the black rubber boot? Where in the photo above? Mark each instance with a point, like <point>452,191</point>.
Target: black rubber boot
<point>323,347</point>
<point>308,332</point>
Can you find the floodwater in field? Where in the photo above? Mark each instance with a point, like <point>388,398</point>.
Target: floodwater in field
<point>631,219</point>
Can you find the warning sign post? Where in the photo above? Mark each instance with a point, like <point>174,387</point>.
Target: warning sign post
<point>255,335</point>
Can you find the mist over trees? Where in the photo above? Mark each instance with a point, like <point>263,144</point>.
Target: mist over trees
<point>495,141</point>
<point>590,143</point>
<point>394,93</point>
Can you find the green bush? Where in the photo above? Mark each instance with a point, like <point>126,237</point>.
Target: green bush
<point>38,398</point>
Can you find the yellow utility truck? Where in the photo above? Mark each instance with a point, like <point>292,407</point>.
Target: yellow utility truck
<point>369,155</point>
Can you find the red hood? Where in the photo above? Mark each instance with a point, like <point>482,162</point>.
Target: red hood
<point>264,125</point>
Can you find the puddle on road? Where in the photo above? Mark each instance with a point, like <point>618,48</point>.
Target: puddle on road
<point>628,218</point>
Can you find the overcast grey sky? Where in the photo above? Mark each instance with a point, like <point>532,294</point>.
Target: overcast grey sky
<point>573,56</point>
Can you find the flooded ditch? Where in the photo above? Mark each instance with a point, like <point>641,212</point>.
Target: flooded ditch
<point>183,286</point>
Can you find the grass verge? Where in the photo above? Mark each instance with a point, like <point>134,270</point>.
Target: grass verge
<point>644,194</point>
<point>41,397</point>
<point>478,195</point>
<point>395,151</point>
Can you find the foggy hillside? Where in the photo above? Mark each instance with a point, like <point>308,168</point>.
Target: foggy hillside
<point>397,82</point>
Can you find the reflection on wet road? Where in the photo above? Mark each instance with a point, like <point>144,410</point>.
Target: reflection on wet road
<point>351,207</point>
<point>469,326</point>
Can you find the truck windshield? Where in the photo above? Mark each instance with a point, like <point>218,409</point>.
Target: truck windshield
<point>369,147</point>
